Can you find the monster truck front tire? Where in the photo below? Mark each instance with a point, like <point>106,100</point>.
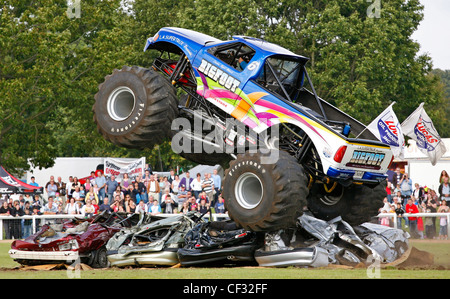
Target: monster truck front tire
<point>265,197</point>
<point>134,107</point>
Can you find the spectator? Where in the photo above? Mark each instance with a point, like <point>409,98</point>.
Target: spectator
<point>389,191</point>
<point>118,192</point>
<point>5,210</point>
<point>36,211</point>
<point>90,181</point>
<point>131,207</point>
<point>117,204</point>
<point>219,207</point>
<point>16,224</point>
<point>442,176</point>
<point>37,202</point>
<point>33,182</point>
<point>76,195</point>
<point>141,208</point>
<point>169,206</point>
<point>69,189</point>
<point>406,186</point>
<point>71,207</point>
<point>397,177</point>
<point>27,223</point>
<point>208,186</point>
<point>217,180</point>
<point>58,200</point>
<point>175,186</point>
<point>92,195</point>
<point>185,207</point>
<point>82,194</point>
<point>141,188</point>
<point>50,208</point>
<point>418,193</point>
<point>51,187</point>
<point>88,209</point>
<point>399,211</point>
<point>94,203</point>
<point>154,209</point>
<point>203,195</point>
<point>171,177</point>
<point>100,181</point>
<point>61,187</point>
<point>203,207</point>
<point>444,190</point>
<point>186,181</point>
<point>196,185</point>
<point>411,208</point>
<point>105,205</point>
<point>75,184</point>
<point>111,186</point>
<point>193,205</point>
<point>430,222</point>
<point>443,221</point>
<point>182,195</point>
<point>126,181</point>
<point>153,187</point>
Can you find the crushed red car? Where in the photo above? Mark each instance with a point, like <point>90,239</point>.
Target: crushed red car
<point>77,238</point>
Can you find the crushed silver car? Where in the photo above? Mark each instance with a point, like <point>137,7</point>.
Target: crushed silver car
<point>154,241</point>
<point>317,243</point>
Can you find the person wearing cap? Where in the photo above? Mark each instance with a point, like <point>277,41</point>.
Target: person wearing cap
<point>182,194</point>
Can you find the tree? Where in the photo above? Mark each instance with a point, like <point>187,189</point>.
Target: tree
<point>358,62</point>
<point>31,80</point>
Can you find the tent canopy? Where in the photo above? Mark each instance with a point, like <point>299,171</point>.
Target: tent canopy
<point>10,185</point>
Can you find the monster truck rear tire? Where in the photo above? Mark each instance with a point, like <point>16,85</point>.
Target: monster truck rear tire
<point>356,204</point>
<point>134,107</point>
<point>265,197</point>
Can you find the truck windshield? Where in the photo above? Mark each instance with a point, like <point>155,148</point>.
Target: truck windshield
<point>282,76</point>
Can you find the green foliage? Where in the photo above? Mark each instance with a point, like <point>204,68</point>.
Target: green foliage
<point>52,62</point>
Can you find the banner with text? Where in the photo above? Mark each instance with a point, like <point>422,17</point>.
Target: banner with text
<point>118,167</point>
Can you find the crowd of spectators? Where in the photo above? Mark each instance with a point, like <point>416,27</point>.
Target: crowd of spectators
<point>404,197</point>
<point>155,194</point>
<point>147,193</point>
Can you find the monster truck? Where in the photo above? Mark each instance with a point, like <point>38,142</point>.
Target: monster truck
<point>290,149</point>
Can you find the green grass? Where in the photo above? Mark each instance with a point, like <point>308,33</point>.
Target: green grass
<point>441,250</point>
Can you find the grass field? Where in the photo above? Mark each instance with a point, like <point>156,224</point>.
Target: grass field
<point>440,270</point>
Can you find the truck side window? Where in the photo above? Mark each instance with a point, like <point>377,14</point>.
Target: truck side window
<point>236,55</point>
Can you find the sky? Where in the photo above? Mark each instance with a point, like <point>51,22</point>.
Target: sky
<point>433,33</point>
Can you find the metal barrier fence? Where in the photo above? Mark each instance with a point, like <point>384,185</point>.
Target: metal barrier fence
<point>10,225</point>
<point>422,215</point>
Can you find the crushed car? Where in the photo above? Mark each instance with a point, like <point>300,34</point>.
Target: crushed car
<point>78,239</point>
<point>318,243</point>
<point>219,243</point>
<point>154,241</point>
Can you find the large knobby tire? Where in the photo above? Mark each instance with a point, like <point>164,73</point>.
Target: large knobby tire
<point>135,107</point>
<point>265,197</point>
<point>356,203</point>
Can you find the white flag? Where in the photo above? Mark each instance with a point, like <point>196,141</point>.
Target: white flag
<point>419,127</point>
<point>387,129</point>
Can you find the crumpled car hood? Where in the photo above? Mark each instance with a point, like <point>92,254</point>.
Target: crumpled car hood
<point>334,239</point>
